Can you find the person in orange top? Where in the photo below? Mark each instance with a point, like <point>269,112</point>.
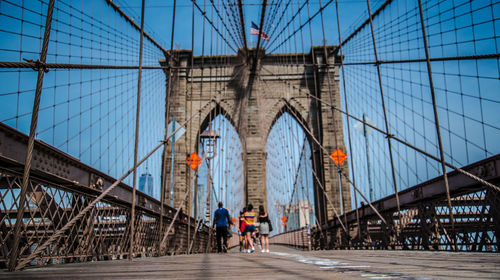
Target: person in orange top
<point>249,228</point>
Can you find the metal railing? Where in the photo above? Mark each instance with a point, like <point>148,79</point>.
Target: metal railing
<point>425,219</point>
<point>59,189</point>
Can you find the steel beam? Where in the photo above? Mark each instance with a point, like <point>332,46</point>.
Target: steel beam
<point>488,169</point>
<point>59,168</point>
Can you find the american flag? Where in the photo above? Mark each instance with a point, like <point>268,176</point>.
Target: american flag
<point>254,30</point>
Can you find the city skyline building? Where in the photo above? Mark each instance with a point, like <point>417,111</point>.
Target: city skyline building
<point>146,183</point>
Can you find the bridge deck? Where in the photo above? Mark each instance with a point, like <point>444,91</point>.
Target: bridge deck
<point>283,263</point>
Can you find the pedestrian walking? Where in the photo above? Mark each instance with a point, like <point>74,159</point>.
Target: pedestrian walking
<point>264,229</point>
<point>241,229</point>
<point>222,219</point>
<point>249,228</point>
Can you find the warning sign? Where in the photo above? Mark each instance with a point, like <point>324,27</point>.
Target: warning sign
<point>338,156</point>
<point>193,160</point>
<point>283,219</point>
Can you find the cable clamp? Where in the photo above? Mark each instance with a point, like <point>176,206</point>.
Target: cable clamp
<point>37,65</point>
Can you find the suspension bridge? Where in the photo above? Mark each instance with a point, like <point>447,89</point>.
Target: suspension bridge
<point>368,130</point>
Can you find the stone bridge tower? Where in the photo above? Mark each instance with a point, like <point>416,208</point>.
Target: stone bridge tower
<point>252,91</point>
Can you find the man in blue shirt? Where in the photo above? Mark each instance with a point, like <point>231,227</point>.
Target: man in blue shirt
<point>221,221</point>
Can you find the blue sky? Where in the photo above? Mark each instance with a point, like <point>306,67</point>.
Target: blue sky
<point>87,113</point>
<point>159,19</point>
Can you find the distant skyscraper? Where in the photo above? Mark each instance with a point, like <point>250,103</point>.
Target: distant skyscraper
<point>146,183</point>
<point>299,214</point>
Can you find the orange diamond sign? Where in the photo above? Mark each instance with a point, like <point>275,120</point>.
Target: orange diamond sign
<point>283,219</point>
<point>193,160</point>
<point>338,156</point>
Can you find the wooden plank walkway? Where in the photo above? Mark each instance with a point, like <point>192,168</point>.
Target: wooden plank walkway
<point>282,263</point>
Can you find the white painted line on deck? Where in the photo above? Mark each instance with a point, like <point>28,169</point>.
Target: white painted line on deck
<point>331,264</point>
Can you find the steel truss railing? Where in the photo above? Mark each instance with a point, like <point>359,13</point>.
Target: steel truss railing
<point>425,222</point>
<point>55,197</point>
<point>465,217</point>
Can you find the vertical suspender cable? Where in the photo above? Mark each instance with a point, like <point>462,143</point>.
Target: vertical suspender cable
<point>436,122</point>
<point>323,214</point>
<point>261,28</point>
<point>385,117</point>
<point>31,140</point>
<point>190,177</point>
<point>136,147</point>
<point>347,118</point>
<point>242,26</point>
<point>168,103</point>
<point>327,66</point>
<point>313,154</point>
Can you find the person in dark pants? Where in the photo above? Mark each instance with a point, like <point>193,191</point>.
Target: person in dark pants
<point>221,221</point>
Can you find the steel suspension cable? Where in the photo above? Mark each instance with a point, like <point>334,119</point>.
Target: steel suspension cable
<point>347,110</point>
<point>203,12</point>
<point>347,178</point>
<point>223,23</point>
<point>136,146</point>
<point>31,140</point>
<point>288,23</point>
<point>262,16</point>
<point>399,140</point>
<point>58,234</point>
<point>242,26</point>
<point>321,186</point>
<point>436,122</point>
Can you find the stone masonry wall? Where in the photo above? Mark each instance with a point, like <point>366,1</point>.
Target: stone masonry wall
<point>252,101</point>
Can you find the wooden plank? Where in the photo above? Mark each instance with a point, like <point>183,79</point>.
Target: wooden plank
<point>282,263</point>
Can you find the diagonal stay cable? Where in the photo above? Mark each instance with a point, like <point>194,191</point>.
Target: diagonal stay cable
<point>323,189</point>
<point>137,27</point>
<point>164,239</point>
<point>261,29</point>
<point>223,22</point>
<point>273,31</point>
<point>233,20</point>
<point>315,175</point>
<point>366,22</point>
<point>59,233</point>
<point>304,24</point>
<point>324,149</point>
<point>458,169</point>
<point>242,26</point>
<point>287,24</point>
<point>270,19</point>
<point>213,25</point>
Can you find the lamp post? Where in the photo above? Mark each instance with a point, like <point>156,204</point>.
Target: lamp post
<point>209,144</point>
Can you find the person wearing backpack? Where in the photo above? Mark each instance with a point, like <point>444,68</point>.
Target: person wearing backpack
<point>265,228</point>
<point>222,219</point>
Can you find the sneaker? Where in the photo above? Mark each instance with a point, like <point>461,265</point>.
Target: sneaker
<point>251,250</point>
<point>267,251</point>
